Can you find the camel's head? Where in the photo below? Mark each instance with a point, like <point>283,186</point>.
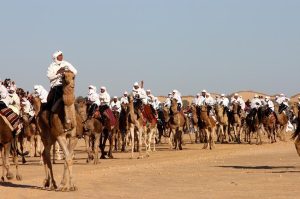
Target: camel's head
<point>69,78</point>
<point>81,108</point>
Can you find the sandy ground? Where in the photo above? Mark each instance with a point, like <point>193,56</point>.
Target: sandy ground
<point>229,171</point>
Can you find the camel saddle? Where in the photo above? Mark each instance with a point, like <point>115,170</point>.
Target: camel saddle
<point>10,118</point>
<point>108,112</point>
<point>148,114</point>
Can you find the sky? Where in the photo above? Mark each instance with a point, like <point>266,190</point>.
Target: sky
<point>222,46</point>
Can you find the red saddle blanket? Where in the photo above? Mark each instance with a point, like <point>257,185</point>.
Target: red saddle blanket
<point>148,115</point>
<point>11,116</point>
<point>111,116</point>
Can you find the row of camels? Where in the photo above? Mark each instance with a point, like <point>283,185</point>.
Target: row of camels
<point>134,127</point>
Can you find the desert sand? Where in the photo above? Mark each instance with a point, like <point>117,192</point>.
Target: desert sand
<point>229,171</point>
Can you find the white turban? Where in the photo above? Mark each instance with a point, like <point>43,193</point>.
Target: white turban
<point>55,55</point>
<point>136,84</point>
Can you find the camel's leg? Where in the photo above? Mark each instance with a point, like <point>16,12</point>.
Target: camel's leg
<point>140,143</point>
<point>15,159</point>
<point>5,163</point>
<point>49,182</point>
<point>132,140</point>
<point>88,148</point>
<point>67,147</point>
<point>259,138</point>
<point>96,149</point>
<point>212,141</point>
<point>180,138</point>
<point>103,139</point>
<point>111,137</point>
<point>38,145</point>
<point>124,140</point>
<point>207,139</point>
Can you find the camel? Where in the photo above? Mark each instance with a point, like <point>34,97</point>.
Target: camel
<point>223,124</point>
<point>123,126</point>
<point>269,122</point>
<point>282,122</point>
<point>236,122</point>
<point>135,127</point>
<point>296,135</point>
<point>199,132</point>
<point>117,134</point>
<point>151,127</point>
<point>254,125</point>
<point>8,144</point>
<point>209,127</point>
<point>92,132</point>
<point>52,129</point>
<point>177,124</point>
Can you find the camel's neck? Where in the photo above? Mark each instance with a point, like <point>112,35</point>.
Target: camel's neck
<point>68,95</point>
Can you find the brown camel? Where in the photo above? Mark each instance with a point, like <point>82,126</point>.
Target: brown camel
<point>269,122</point>
<point>282,122</point>
<point>177,124</point>
<point>236,122</point>
<point>296,135</point>
<point>8,144</point>
<point>209,127</point>
<point>135,127</point>
<point>223,124</point>
<point>199,132</point>
<point>92,131</point>
<point>123,126</point>
<point>54,131</point>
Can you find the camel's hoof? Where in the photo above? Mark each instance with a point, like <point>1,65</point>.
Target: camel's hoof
<point>23,161</point>
<point>10,176</point>
<point>62,189</point>
<point>103,157</point>
<point>51,188</point>
<point>140,157</point>
<point>2,179</point>
<point>73,188</point>
<point>111,157</point>
<point>19,177</point>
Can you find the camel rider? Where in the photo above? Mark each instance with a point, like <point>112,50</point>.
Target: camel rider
<point>104,101</point>
<point>255,105</point>
<point>150,101</point>
<point>167,102</point>
<point>196,99</point>
<point>42,94</point>
<point>27,107</point>
<point>209,102</point>
<point>124,98</point>
<point>55,73</point>
<point>270,105</point>
<point>176,95</point>
<point>139,95</point>
<point>262,99</point>
<point>224,101</point>
<point>5,99</point>
<point>201,101</point>
<point>93,100</point>
<point>282,101</point>
<point>115,105</point>
<point>238,99</point>
<point>16,102</point>
<point>156,103</point>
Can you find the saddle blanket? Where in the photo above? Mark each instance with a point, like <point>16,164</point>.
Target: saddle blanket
<point>11,117</point>
<point>111,116</point>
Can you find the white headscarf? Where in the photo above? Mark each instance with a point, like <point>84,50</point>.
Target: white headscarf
<point>55,55</point>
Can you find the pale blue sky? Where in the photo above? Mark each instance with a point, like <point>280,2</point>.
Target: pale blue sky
<point>217,45</point>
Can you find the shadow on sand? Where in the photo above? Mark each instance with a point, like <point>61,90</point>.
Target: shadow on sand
<point>258,167</point>
<point>22,186</point>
